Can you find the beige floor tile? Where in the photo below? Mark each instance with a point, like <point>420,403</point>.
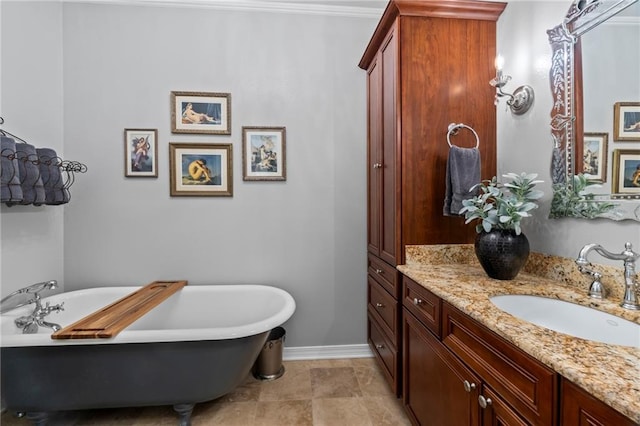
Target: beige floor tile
<point>156,416</point>
<point>249,390</point>
<point>295,384</point>
<point>340,412</point>
<point>334,383</point>
<point>371,380</point>
<point>282,413</point>
<point>326,363</point>
<point>386,411</point>
<point>225,413</point>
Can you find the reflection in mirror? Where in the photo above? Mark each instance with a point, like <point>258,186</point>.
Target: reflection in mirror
<point>588,155</point>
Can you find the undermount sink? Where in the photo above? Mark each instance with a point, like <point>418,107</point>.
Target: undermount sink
<point>570,318</point>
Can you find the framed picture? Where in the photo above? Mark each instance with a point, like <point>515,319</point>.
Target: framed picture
<point>595,153</point>
<point>201,112</point>
<point>141,152</point>
<point>626,121</point>
<point>626,172</point>
<point>264,153</point>
<point>201,170</point>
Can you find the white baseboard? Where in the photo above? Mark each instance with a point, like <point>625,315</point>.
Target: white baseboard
<point>326,352</point>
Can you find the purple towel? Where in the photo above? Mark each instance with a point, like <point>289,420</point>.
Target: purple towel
<point>10,189</point>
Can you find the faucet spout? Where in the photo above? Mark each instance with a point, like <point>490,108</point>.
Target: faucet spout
<point>629,257</point>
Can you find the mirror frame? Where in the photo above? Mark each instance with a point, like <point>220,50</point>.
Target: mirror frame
<point>565,79</point>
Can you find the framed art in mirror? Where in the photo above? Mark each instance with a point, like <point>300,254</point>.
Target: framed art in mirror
<point>595,156</point>
<point>626,173</point>
<point>626,121</point>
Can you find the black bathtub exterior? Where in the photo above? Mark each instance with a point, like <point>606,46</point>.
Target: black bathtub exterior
<point>42,379</point>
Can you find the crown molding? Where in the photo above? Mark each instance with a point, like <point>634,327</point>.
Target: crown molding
<point>253,6</point>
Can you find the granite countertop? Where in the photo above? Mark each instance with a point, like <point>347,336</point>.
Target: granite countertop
<point>610,373</point>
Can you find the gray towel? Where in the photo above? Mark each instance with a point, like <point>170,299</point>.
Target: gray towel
<point>30,181</point>
<point>10,190</point>
<point>51,175</point>
<point>463,171</point>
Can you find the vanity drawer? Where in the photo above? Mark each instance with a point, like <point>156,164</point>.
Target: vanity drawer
<point>522,381</point>
<point>385,352</point>
<point>385,308</point>
<point>423,304</point>
<point>385,274</point>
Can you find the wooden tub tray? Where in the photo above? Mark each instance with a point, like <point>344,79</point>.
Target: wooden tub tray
<point>107,322</point>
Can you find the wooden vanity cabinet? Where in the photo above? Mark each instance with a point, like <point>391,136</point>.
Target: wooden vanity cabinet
<point>460,372</point>
<point>428,64</point>
<point>579,408</point>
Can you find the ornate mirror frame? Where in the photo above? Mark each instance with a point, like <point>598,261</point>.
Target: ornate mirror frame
<point>571,198</point>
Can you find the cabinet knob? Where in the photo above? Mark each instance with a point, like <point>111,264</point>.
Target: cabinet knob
<point>379,346</point>
<point>484,402</point>
<point>469,386</point>
<point>379,271</point>
<point>379,305</point>
<point>417,301</point>
<point>377,165</point>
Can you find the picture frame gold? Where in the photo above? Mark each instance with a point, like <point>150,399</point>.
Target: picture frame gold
<point>200,170</point>
<point>201,113</point>
<point>626,173</point>
<point>626,121</point>
<point>595,154</point>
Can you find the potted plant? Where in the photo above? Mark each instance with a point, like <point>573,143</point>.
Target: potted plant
<point>500,245</point>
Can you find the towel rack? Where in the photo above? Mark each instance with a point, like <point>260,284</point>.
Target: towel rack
<point>48,175</point>
<point>453,130</point>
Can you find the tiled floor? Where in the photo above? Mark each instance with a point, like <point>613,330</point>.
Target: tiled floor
<point>344,392</point>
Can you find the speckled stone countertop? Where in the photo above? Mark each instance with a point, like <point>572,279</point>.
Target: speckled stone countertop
<point>610,373</point>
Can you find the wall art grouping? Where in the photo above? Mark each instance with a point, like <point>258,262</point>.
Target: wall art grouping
<point>206,169</point>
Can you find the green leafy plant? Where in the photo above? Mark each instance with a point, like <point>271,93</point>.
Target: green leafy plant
<point>502,205</point>
<point>577,200</point>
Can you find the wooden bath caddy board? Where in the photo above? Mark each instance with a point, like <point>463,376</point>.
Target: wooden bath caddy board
<point>112,319</point>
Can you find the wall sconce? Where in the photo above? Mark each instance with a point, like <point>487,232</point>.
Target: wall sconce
<point>522,97</point>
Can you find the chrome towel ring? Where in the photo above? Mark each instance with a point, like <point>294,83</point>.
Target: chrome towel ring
<point>453,130</point>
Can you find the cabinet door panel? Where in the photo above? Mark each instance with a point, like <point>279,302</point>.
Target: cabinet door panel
<point>434,380</point>
<point>389,246</point>
<point>581,409</point>
<point>374,177</point>
<point>497,412</point>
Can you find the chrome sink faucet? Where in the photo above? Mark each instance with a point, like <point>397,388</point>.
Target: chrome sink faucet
<point>628,256</point>
<point>29,323</point>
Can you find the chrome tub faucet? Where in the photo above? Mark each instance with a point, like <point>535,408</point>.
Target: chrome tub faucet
<point>631,298</point>
<point>29,323</point>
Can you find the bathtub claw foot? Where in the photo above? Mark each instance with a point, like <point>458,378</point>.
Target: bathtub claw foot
<point>184,411</point>
<point>38,418</point>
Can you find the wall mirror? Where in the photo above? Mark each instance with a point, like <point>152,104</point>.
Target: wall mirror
<point>595,87</point>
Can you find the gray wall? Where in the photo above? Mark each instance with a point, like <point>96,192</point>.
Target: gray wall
<point>110,67</point>
<point>31,103</point>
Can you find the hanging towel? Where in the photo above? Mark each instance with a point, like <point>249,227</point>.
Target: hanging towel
<point>463,171</point>
<point>30,180</point>
<point>51,176</point>
<point>10,190</point>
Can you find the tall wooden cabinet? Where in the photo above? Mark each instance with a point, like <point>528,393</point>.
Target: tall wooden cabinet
<point>428,63</point>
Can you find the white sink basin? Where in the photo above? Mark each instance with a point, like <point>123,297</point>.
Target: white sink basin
<point>570,318</point>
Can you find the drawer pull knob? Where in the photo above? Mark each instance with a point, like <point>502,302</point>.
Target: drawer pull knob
<point>379,305</point>
<point>379,346</point>
<point>484,402</point>
<point>379,271</point>
<point>377,165</point>
<point>469,386</point>
<point>417,301</point>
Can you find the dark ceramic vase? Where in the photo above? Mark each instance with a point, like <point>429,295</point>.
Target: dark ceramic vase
<point>502,253</point>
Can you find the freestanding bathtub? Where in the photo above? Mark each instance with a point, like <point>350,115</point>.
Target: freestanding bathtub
<point>196,346</point>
